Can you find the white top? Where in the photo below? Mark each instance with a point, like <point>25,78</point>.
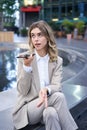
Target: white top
<point>42,64</point>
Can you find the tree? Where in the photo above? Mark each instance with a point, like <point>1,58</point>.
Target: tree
<point>21,3</point>
<point>1,21</point>
<point>7,9</point>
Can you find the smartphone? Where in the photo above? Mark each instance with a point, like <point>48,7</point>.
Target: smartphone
<point>25,56</point>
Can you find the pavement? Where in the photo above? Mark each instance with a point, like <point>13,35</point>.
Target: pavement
<point>74,81</point>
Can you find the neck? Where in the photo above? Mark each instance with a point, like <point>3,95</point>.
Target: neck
<point>42,53</point>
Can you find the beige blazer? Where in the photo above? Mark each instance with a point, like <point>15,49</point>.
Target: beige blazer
<point>28,86</point>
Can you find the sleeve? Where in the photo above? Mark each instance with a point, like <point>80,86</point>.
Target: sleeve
<point>23,79</point>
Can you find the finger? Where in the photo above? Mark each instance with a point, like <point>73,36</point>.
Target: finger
<point>40,103</point>
<point>41,94</point>
<point>46,102</point>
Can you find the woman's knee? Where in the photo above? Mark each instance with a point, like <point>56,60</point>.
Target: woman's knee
<point>49,113</point>
<point>59,95</point>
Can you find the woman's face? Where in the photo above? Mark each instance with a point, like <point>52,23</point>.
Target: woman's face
<point>39,41</point>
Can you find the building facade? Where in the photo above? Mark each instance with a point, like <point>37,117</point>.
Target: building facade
<point>52,10</point>
<point>29,12</point>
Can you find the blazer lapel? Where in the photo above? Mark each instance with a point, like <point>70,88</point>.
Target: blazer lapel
<point>36,74</point>
<point>51,67</point>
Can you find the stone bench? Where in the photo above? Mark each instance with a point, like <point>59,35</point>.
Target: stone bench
<point>74,95</point>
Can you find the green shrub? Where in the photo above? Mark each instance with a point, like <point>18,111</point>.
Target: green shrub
<point>68,25</point>
<point>24,32</point>
<point>80,26</point>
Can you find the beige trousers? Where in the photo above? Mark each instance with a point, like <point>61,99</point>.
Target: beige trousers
<point>55,117</point>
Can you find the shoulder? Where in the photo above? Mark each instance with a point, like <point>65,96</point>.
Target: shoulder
<point>60,60</point>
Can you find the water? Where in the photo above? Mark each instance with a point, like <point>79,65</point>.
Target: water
<point>8,69</point>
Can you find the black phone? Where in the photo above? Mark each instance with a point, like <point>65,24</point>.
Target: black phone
<point>25,56</point>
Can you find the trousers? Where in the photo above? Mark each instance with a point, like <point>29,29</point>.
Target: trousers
<point>55,117</point>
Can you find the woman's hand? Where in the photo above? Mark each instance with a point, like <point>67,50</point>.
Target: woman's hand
<point>28,61</point>
<point>42,97</point>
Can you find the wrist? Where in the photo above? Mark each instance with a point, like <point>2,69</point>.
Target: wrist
<point>27,68</point>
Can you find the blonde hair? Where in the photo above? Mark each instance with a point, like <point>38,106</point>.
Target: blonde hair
<point>48,33</point>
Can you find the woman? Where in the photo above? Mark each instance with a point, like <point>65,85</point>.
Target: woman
<point>39,84</point>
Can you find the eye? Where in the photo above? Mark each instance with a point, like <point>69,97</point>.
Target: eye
<point>32,35</point>
<point>40,34</point>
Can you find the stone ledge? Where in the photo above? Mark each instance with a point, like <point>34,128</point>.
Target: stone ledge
<point>7,36</point>
<point>74,95</point>
<point>8,99</point>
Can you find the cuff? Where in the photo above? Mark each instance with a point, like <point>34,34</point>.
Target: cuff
<point>27,68</point>
<point>48,91</point>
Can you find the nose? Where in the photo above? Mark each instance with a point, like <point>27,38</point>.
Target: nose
<point>36,38</point>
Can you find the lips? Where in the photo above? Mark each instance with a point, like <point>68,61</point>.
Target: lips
<point>37,44</point>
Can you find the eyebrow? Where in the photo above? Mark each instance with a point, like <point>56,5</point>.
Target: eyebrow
<point>37,33</point>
